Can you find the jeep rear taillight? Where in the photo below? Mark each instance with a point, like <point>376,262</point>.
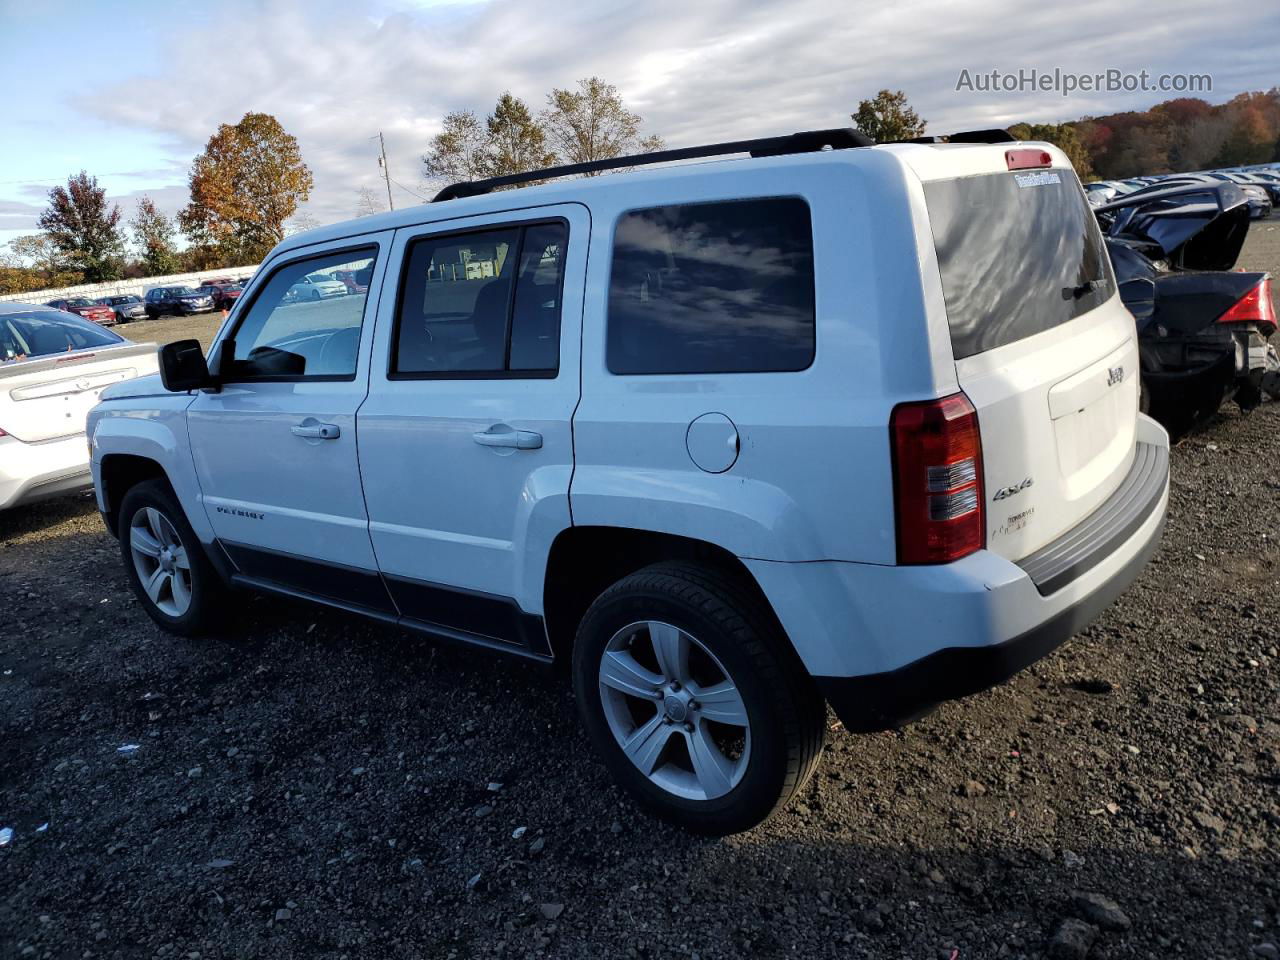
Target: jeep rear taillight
<point>937,478</point>
<point>1254,307</point>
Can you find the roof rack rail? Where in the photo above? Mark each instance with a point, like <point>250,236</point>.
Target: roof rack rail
<point>806,141</point>
<point>994,135</point>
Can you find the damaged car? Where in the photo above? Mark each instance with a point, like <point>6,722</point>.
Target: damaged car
<point>1204,331</point>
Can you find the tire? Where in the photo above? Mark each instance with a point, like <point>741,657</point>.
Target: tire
<point>205,592</point>
<point>727,630</point>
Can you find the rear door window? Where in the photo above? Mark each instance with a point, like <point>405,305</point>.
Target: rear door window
<point>1019,254</point>
<point>723,287</point>
<point>482,304</point>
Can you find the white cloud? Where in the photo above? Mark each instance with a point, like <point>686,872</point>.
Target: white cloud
<point>697,72</point>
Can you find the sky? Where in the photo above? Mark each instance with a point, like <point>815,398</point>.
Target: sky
<point>131,90</point>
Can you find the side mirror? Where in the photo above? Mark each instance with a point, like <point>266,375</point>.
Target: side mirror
<point>182,366</point>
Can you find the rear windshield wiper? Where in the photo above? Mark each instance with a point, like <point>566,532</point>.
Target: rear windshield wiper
<point>1075,293</point>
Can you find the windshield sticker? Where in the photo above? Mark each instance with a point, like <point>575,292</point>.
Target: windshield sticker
<point>1037,179</point>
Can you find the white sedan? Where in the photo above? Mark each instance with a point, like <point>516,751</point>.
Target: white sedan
<point>53,366</point>
<point>317,286</point>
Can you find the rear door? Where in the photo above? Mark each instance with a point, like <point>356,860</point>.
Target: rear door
<point>466,445</point>
<point>1042,344</point>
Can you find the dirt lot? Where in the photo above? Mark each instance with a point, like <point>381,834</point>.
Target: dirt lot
<point>310,785</point>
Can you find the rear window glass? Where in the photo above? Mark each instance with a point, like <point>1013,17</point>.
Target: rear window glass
<point>712,288</point>
<point>25,335</point>
<point>1019,254</point>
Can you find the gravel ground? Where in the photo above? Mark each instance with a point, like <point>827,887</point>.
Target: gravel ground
<point>310,785</point>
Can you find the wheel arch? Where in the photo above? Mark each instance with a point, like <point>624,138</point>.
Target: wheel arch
<point>585,560</point>
<point>118,473</point>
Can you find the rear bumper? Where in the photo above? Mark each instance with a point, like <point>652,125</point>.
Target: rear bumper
<point>885,700</point>
<point>37,471</point>
<point>886,644</point>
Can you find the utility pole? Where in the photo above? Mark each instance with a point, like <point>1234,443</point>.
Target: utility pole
<point>386,172</point>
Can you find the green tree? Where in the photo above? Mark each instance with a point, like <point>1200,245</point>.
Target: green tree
<point>84,228</point>
<point>887,117</point>
<point>509,140</point>
<point>1064,137</point>
<point>593,123</point>
<point>516,142</point>
<point>458,152</point>
<point>246,184</point>
<point>153,233</point>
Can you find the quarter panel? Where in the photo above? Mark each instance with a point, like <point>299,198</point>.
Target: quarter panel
<point>813,479</point>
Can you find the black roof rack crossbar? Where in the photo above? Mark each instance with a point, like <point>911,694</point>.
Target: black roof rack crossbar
<point>994,135</point>
<point>808,141</point>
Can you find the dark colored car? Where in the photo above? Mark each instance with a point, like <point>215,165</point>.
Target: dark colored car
<point>126,307</point>
<point>182,301</point>
<point>84,307</point>
<point>1204,330</point>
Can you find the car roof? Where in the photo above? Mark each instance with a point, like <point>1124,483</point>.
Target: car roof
<point>9,307</point>
<point>921,158</point>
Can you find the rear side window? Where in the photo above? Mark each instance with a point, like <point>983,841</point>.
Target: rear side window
<point>1019,254</point>
<point>712,288</point>
<point>482,304</point>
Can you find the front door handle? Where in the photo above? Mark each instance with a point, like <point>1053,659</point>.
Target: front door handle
<point>501,435</point>
<point>312,430</point>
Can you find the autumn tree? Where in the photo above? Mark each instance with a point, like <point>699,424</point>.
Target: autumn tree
<point>593,123</point>
<point>1064,137</point>
<point>153,233</point>
<point>887,118</point>
<point>84,228</point>
<point>245,186</point>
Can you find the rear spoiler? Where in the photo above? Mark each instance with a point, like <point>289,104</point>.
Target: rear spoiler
<point>71,359</point>
<point>1195,226</point>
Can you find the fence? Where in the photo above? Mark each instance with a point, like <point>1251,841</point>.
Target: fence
<point>138,287</point>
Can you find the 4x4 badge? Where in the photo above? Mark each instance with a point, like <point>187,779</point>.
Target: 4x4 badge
<point>1005,492</point>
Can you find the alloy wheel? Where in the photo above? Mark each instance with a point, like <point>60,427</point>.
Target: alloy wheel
<point>161,561</point>
<point>674,710</point>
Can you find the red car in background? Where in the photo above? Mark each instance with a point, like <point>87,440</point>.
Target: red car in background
<point>84,307</point>
<point>224,294</point>
<point>357,281</point>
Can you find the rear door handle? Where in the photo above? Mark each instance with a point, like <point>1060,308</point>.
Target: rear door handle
<point>501,435</point>
<point>316,431</point>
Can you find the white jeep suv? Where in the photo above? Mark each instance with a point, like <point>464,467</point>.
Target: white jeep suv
<point>832,424</point>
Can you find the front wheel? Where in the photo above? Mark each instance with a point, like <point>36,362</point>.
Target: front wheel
<point>165,563</point>
<point>694,699</point>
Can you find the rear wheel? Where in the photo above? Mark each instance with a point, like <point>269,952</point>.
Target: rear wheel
<point>694,700</point>
<point>165,563</point>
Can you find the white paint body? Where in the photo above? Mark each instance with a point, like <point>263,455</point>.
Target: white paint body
<point>44,403</point>
<point>806,503</point>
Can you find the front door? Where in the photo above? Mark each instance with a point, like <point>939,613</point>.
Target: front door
<point>465,441</point>
<point>275,449</point>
